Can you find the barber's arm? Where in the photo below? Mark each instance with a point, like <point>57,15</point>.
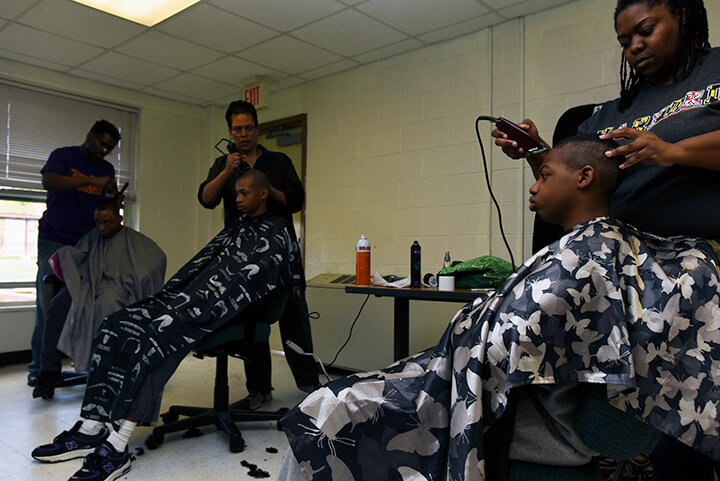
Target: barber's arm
<point>702,151</point>
<point>54,182</point>
<point>292,195</point>
<point>210,193</point>
<point>514,151</point>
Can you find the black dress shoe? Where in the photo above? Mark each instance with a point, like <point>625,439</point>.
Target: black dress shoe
<point>46,385</point>
<point>33,379</point>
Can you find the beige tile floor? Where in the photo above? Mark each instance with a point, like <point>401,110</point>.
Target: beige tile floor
<point>26,423</point>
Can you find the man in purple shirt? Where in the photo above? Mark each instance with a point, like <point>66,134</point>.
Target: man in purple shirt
<point>76,178</point>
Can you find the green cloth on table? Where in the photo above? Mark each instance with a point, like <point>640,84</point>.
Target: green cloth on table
<point>483,271</point>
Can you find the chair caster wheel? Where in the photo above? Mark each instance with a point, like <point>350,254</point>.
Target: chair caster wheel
<point>237,445</point>
<point>169,417</point>
<point>153,441</point>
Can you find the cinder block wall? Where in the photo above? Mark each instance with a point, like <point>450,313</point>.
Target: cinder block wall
<point>392,150</point>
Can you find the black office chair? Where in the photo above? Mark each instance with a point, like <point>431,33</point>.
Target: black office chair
<point>603,428</point>
<point>233,339</point>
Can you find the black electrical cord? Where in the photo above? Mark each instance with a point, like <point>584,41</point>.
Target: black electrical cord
<point>487,181</point>
<point>350,334</point>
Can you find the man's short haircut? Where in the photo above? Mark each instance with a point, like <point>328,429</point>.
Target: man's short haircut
<point>104,127</point>
<point>259,179</point>
<point>108,204</point>
<point>240,107</point>
<point>589,149</point>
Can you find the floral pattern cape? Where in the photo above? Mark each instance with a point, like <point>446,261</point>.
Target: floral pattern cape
<point>604,304</point>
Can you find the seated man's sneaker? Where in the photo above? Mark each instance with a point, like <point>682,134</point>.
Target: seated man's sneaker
<point>254,400</point>
<point>69,445</point>
<point>104,464</point>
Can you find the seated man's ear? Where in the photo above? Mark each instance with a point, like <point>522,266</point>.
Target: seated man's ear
<point>264,193</point>
<point>586,176</point>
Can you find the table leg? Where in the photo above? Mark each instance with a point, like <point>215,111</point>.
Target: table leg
<point>402,328</point>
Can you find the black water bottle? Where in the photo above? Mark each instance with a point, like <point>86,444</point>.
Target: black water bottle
<point>415,265</point>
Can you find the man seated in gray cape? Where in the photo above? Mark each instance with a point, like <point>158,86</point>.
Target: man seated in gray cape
<point>109,268</point>
<point>606,312</point>
<point>139,347</point>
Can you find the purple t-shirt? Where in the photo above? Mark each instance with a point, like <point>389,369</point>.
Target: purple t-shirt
<point>70,214</point>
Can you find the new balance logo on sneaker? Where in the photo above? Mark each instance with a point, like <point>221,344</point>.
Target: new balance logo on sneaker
<point>105,464</point>
<point>69,445</point>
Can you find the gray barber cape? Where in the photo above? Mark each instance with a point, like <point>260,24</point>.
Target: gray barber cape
<point>103,276</point>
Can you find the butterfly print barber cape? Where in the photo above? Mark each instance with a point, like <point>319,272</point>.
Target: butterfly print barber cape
<point>604,304</point>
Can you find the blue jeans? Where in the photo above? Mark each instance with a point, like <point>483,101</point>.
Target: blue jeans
<point>45,292</point>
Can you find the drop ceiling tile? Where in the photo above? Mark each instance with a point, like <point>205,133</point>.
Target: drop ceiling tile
<point>498,4</point>
<point>64,18</point>
<point>463,28</point>
<point>288,55</point>
<point>215,28</point>
<point>529,7</point>
<point>389,51</point>
<point>105,79</point>
<point>282,15</point>
<point>129,69</point>
<point>10,55</point>
<point>164,49</point>
<point>234,71</point>
<point>171,95</point>
<point>349,33</point>
<point>197,87</point>
<point>45,46</point>
<point>10,9</point>
<point>416,17</point>
<point>285,83</point>
<point>333,68</point>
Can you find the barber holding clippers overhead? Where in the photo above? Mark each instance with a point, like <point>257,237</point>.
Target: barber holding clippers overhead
<point>287,196</point>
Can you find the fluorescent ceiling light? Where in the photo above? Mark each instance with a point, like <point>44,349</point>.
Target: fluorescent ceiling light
<point>145,12</point>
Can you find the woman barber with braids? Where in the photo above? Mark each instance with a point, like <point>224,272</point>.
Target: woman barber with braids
<point>668,119</point>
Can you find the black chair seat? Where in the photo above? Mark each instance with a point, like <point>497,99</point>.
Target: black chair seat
<point>252,325</point>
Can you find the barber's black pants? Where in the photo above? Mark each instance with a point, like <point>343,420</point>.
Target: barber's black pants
<point>294,326</point>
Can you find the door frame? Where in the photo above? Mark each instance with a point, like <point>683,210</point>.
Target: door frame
<point>295,121</point>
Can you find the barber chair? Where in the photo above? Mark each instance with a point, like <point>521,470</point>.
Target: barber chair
<point>603,428</point>
<point>252,325</point>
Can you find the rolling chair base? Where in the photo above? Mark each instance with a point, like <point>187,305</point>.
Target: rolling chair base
<point>222,415</point>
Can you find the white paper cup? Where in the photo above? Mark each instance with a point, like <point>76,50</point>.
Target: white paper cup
<point>446,283</point>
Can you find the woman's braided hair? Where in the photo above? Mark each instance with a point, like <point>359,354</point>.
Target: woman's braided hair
<point>693,44</point>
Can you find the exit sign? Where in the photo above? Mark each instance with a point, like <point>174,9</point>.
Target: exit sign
<point>258,94</point>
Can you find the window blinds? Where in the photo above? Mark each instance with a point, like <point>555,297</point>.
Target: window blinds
<point>33,123</point>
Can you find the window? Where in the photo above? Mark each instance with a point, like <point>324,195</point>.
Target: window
<point>18,250</point>
<point>34,122</point>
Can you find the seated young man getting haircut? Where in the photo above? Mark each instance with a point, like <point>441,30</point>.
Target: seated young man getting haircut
<point>605,307</point>
<point>138,348</point>
<point>111,267</point>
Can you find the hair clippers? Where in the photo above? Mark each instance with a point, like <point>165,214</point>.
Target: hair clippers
<point>524,139</point>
